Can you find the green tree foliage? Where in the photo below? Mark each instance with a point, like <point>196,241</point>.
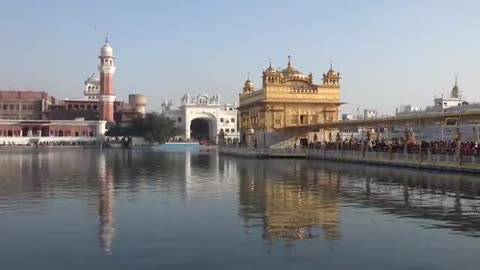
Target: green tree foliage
<point>153,127</point>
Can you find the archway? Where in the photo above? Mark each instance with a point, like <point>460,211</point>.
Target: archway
<point>200,129</point>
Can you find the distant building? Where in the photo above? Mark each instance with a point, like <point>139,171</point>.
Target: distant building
<point>37,115</point>
<point>99,101</point>
<point>405,109</point>
<point>203,118</point>
<point>348,117</point>
<point>22,105</point>
<point>370,114</point>
<point>452,103</point>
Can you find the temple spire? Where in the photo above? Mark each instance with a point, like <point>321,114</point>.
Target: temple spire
<point>270,65</point>
<point>106,40</point>
<point>289,61</point>
<point>331,65</point>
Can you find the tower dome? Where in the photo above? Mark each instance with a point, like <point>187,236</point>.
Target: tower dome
<point>248,85</point>
<point>455,90</point>
<point>106,50</point>
<point>291,73</point>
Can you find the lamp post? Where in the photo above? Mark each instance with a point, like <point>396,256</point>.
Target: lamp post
<point>251,136</point>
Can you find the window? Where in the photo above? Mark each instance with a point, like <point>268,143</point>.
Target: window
<point>17,107</point>
<point>294,119</point>
<point>76,133</point>
<point>227,130</point>
<point>232,120</point>
<point>90,134</point>
<point>232,130</point>
<point>24,107</point>
<point>303,119</point>
<point>11,107</point>
<point>179,119</point>
<point>5,107</point>
<point>221,120</point>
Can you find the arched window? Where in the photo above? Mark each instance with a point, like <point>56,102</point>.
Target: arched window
<point>313,117</point>
<point>294,118</point>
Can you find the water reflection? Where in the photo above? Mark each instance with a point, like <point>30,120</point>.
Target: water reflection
<point>289,201</point>
<point>277,201</point>
<point>446,200</point>
<point>105,204</point>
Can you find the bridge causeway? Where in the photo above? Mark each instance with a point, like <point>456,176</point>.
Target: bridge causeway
<point>444,162</point>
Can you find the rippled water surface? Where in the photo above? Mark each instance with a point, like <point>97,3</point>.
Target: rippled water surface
<point>88,209</point>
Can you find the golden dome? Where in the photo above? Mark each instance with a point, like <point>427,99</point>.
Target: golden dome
<point>249,84</point>
<point>291,72</point>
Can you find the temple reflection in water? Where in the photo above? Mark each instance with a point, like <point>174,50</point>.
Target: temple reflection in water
<point>288,200</point>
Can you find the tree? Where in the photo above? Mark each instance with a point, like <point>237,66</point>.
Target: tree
<point>153,127</point>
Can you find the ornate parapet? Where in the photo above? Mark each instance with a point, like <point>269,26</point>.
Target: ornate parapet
<point>202,99</point>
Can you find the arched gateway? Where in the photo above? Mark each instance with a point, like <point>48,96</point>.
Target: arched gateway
<point>203,117</point>
<point>203,126</point>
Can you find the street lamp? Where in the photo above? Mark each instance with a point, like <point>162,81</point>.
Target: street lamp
<point>251,136</point>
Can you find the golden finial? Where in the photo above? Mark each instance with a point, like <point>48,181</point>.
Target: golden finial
<point>331,65</point>
<point>289,61</point>
<point>270,66</point>
<point>106,40</point>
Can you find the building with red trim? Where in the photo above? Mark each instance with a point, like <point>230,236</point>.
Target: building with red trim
<point>36,114</point>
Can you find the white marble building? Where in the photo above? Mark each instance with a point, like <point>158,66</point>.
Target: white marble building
<point>203,117</point>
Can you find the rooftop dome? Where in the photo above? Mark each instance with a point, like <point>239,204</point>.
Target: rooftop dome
<point>248,84</point>
<point>291,72</point>
<point>106,50</point>
<point>92,78</point>
<point>332,72</point>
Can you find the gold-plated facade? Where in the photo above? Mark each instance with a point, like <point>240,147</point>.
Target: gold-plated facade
<point>289,98</point>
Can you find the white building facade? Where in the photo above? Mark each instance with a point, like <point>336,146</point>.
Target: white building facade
<point>203,118</point>
<point>453,103</point>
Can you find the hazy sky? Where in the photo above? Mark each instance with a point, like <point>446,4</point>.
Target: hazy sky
<point>389,52</point>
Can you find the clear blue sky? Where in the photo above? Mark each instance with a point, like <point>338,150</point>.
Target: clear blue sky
<point>389,52</point>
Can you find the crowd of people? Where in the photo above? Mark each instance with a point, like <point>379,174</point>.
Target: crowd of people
<point>399,146</point>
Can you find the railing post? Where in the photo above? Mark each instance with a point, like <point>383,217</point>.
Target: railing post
<point>362,148</point>
<point>341,150</point>
<point>420,153</point>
